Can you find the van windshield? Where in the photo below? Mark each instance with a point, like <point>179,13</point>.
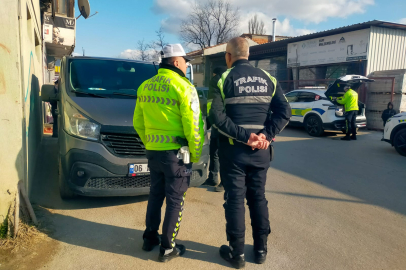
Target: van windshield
<point>109,78</point>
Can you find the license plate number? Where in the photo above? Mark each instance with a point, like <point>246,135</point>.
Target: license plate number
<point>139,169</point>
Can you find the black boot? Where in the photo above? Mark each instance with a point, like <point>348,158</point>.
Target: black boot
<point>260,256</point>
<point>150,243</point>
<point>220,187</point>
<point>346,138</point>
<point>237,261</point>
<point>260,248</point>
<point>166,255</point>
<point>210,182</point>
<point>354,137</point>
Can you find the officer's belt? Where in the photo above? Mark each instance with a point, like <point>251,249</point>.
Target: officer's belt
<point>248,100</point>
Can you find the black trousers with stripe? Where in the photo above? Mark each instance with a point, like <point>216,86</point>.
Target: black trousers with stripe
<point>170,179</point>
<point>350,122</point>
<point>243,174</point>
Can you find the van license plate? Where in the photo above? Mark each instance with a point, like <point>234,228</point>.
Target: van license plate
<point>139,169</point>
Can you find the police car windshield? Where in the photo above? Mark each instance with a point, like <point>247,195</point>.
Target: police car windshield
<point>110,78</point>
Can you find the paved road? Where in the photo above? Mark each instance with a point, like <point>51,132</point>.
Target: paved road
<point>333,205</point>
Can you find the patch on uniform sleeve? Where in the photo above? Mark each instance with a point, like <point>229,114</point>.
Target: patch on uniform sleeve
<point>194,104</point>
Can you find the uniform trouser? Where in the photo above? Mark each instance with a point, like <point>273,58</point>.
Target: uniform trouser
<point>350,122</point>
<point>214,166</point>
<point>170,179</point>
<point>243,174</point>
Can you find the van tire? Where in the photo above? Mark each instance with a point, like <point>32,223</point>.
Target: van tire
<point>399,141</point>
<point>314,126</point>
<point>64,191</point>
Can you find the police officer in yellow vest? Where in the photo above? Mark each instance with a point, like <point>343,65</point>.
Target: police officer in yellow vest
<point>350,102</point>
<point>168,120</point>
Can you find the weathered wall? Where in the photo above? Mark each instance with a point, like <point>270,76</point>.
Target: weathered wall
<point>20,81</point>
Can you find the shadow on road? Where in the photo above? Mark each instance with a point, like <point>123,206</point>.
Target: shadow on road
<point>300,132</point>
<point>367,169</point>
<point>120,240</point>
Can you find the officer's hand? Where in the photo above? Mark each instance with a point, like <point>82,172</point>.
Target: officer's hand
<point>258,141</point>
<point>263,145</point>
<point>262,136</point>
<point>253,140</point>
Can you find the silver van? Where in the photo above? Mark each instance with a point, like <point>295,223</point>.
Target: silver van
<point>98,146</point>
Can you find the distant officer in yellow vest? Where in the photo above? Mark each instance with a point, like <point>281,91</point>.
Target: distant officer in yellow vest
<point>350,102</point>
<point>167,117</point>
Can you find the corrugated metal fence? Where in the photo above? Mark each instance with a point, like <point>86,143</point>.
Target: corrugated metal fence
<point>387,49</point>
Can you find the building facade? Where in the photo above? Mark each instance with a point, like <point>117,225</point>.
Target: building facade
<point>204,61</point>
<point>21,76</point>
<point>34,34</point>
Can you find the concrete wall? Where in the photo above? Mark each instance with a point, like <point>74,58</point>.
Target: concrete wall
<point>20,81</point>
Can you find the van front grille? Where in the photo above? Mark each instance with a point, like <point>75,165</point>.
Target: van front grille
<point>124,144</point>
<point>126,181</point>
<point>119,182</point>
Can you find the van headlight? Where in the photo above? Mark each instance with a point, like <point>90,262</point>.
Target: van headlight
<point>79,125</point>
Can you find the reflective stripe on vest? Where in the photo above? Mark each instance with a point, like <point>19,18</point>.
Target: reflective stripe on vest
<point>273,81</point>
<point>252,126</point>
<point>220,83</point>
<point>209,102</point>
<point>161,138</point>
<point>248,99</point>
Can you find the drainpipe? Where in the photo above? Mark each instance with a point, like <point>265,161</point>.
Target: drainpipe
<point>273,27</point>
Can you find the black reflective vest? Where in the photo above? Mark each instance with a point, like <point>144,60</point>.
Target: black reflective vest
<point>243,101</point>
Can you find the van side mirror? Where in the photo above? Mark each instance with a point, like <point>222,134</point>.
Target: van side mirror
<point>48,93</point>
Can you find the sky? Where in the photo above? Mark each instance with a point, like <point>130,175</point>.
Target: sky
<point>120,24</point>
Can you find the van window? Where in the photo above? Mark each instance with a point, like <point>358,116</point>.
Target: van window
<point>107,77</point>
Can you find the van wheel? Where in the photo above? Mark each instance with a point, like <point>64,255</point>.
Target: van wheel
<point>64,191</point>
<point>399,141</point>
<point>314,126</point>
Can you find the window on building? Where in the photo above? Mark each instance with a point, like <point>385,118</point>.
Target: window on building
<point>62,7</point>
<point>198,68</point>
<point>30,31</point>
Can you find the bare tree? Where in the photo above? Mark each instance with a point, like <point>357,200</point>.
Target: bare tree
<point>210,23</point>
<point>158,44</point>
<point>255,26</point>
<point>142,48</point>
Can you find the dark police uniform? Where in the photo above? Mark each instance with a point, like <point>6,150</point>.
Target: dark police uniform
<point>242,104</point>
<point>214,166</point>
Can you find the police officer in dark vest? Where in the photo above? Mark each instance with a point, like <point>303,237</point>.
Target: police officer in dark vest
<point>213,179</point>
<point>241,109</point>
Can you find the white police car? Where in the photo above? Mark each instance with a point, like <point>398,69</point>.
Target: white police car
<point>316,111</point>
<point>395,132</point>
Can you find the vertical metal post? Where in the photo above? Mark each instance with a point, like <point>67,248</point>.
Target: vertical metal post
<point>273,27</point>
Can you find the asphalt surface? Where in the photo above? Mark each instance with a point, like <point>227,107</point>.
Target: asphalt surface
<point>333,205</point>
